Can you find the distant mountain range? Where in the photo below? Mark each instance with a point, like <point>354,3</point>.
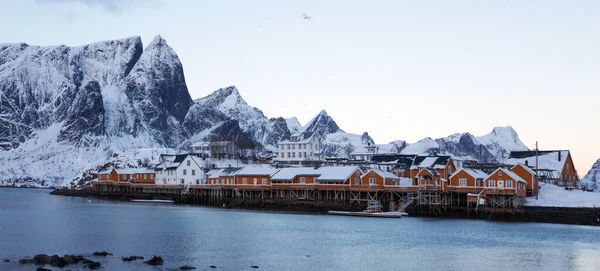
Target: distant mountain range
<point>64,110</point>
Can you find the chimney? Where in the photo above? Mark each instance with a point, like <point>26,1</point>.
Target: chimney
<point>526,162</point>
<point>559,153</point>
<point>435,153</point>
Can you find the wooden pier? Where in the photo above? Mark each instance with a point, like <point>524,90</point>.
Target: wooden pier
<point>422,201</point>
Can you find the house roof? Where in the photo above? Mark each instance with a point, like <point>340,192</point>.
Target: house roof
<point>384,174</point>
<point>549,160</point>
<point>133,170</point>
<point>305,137</point>
<point>475,173</point>
<point>509,173</point>
<point>528,169</point>
<point>256,171</point>
<point>336,174</point>
<point>429,170</point>
<point>223,172</point>
<point>200,144</point>
<point>288,174</point>
<point>106,171</point>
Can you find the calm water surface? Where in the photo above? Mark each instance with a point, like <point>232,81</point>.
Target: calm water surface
<point>32,222</point>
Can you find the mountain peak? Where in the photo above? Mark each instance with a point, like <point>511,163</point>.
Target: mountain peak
<point>322,124</point>
<point>158,40</point>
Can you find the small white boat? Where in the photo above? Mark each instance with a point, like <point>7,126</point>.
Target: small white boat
<point>373,210</point>
<point>152,200</point>
<point>368,214</point>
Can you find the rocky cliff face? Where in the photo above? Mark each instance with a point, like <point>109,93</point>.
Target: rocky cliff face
<point>591,181</point>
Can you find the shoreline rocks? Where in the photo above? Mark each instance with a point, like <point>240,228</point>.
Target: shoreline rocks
<point>132,258</point>
<point>102,253</point>
<point>187,267</point>
<point>156,260</point>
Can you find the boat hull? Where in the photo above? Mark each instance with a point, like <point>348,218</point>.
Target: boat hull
<point>365,214</point>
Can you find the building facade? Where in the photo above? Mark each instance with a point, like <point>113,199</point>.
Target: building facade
<point>299,148</point>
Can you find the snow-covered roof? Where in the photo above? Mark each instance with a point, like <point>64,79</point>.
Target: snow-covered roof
<point>106,171</point>
<point>384,174</point>
<point>288,174</point>
<point>216,173</point>
<point>133,170</point>
<point>509,173</point>
<point>335,174</point>
<point>475,173</point>
<point>200,144</point>
<point>525,167</point>
<point>431,171</point>
<point>256,171</point>
<point>546,160</point>
<point>305,137</point>
<point>428,162</point>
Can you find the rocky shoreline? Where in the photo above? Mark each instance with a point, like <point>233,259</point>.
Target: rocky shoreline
<point>45,262</point>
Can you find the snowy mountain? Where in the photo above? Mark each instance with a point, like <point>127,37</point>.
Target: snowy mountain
<point>64,110</point>
<point>293,124</point>
<point>591,181</point>
<point>493,147</point>
<point>227,104</point>
<point>337,143</point>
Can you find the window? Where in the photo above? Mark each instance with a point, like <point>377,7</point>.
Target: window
<point>281,147</point>
<point>372,181</point>
<point>184,172</point>
<point>145,176</point>
<point>302,179</point>
<point>492,183</point>
<point>372,173</point>
<point>288,147</point>
<point>188,163</point>
<point>197,181</point>
<point>293,146</point>
<point>293,155</point>
<point>264,181</point>
<point>499,173</point>
<point>509,184</point>
<point>244,181</point>
<point>462,182</point>
<point>289,155</point>
<point>357,181</point>
<point>182,181</point>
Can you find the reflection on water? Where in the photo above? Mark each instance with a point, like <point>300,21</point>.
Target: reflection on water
<point>32,222</point>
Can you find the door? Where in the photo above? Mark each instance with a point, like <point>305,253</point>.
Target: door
<point>255,181</point>
<point>500,184</point>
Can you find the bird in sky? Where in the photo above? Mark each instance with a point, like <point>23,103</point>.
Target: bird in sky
<point>306,17</point>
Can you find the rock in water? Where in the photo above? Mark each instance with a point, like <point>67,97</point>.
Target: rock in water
<point>6,260</point>
<point>187,267</point>
<point>42,259</point>
<point>156,260</point>
<point>254,266</point>
<point>212,266</point>
<point>132,258</point>
<point>93,265</point>
<point>102,253</point>
<point>24,261</point>
<point>42,269</point>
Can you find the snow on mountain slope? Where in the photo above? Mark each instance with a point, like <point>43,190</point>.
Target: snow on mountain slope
<point>66,109</point>
<point>501,141</point>
<point>293,124</point>
<point>493,147</point>
<point>591,181</point>
<point>252,122</point>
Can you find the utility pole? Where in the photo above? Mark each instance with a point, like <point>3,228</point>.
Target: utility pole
<point>537,179</point>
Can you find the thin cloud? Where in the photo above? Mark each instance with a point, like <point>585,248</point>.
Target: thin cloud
<point>113,6</point>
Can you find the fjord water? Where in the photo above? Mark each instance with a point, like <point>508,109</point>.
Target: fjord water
<point>32,222</point>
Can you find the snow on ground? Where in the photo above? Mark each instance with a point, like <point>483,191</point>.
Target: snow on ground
<point>555,196</point>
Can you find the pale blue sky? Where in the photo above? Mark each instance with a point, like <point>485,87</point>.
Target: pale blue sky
<point>397,69</point>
